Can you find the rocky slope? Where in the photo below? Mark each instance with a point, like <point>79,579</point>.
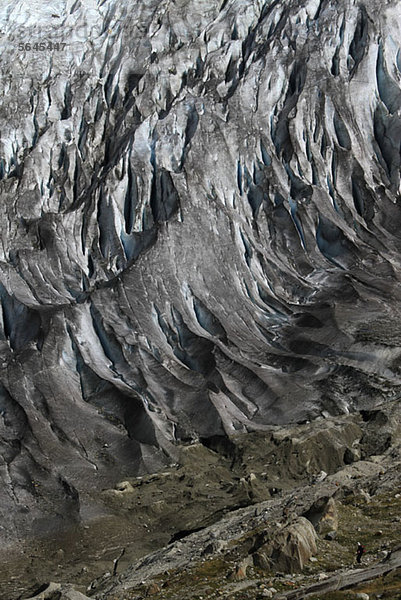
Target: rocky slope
<point>294,537</point>
<point>199,233</point>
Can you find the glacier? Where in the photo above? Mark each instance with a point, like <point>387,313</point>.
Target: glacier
<point>200,232</point>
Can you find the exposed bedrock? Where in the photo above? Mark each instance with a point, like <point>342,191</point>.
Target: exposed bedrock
<point>200,231</point>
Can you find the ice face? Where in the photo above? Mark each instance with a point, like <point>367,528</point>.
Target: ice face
<point>199,226</point>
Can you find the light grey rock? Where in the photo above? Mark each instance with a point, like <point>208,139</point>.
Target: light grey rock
<point>57,591</point>
<point>290,548</point>
<point>48,592</point>
<point>328,521</point>
<point>364,495</point>
<point>321,476</point>
<point>199,232</point>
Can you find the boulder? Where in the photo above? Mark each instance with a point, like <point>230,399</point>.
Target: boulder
<point>124,487</point>
<point>57,591</point>
<point>352,455</point>
<point>328,522</point>
<point>323,515</point>
<point>291,548</point>
<point>238,573</point>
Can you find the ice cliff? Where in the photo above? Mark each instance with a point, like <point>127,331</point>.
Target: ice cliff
<point>200,231</point>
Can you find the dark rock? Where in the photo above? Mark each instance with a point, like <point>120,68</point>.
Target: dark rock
<point>351,455</point>
<point>261,561</point>
<point>213,547</point>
